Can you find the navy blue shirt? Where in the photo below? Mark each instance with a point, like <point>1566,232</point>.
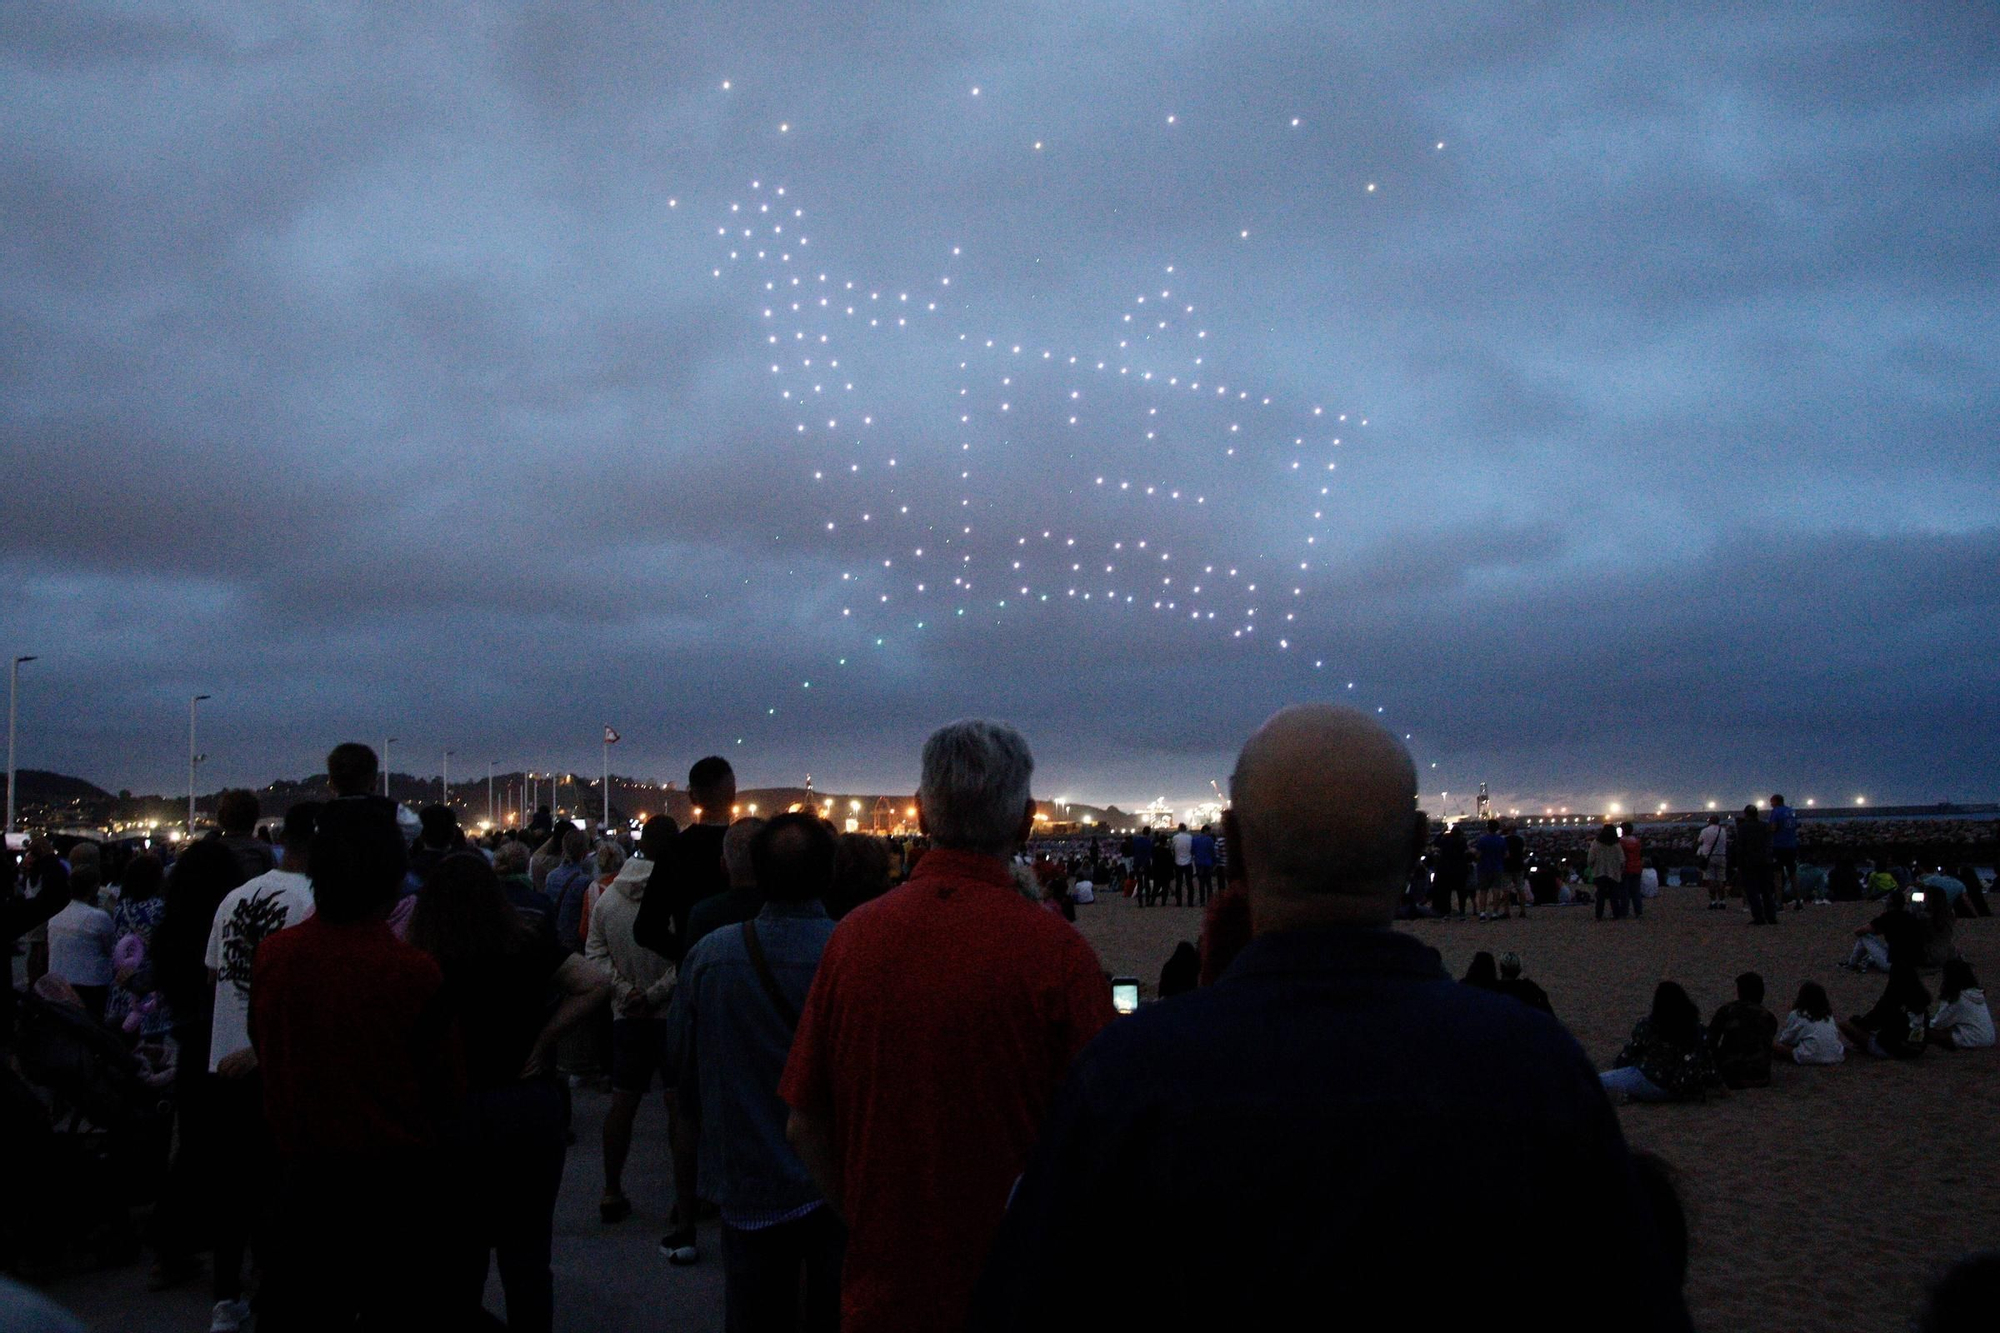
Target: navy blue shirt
<point>1308,1140</point>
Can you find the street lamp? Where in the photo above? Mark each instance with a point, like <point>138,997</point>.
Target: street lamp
<point>387,742</point>
<point>13,687</point>
<point>489,790</point>
<point>444,780</point>
<point>193,758</point>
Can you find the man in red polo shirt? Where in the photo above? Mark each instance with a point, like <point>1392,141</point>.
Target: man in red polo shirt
<point>943,1017</point>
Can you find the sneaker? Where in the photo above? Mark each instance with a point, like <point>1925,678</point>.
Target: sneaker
<point>680,1248</point>
<point>228,1316</point>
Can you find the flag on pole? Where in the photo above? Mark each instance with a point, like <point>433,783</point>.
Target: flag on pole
<point>610,736</point>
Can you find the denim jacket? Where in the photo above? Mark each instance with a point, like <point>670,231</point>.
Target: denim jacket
<point>732,1045</point>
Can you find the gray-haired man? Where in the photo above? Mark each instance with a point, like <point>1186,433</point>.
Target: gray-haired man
<point>943,1016</point>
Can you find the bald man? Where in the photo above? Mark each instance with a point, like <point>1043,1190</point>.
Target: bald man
<point>1289,1145</point>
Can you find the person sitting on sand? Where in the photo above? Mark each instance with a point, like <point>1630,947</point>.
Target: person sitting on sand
<point>1810,1036</point>
<point>1933,903</point>
<point>1895,1029</point>
<point>1513,983</point>
<point>1962,1021</point>
<point>1182,971</point>
<point>1667,1059</point>
<point>1741,1034</point>
<point>1894,937</point>
<point>1483,973</point>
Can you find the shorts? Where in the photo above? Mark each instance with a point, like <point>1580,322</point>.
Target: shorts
<point>1787,858</point>
<point>1491,879</point>
<point>1714,868</point>
<point>638,1050</point>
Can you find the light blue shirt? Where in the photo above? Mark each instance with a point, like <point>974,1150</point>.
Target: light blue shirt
<point>733,1043</point>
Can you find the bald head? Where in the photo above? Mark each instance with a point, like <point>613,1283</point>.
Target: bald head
<point>1324,818</point>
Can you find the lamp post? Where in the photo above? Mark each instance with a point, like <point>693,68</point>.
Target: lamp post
<point>386,743</point>
<point>13,689</point>
<point>194,705</point>
<point>490,812</point>
<point>445,780</point>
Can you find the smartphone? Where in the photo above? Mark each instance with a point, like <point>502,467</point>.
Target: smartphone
<point>1125,994</point>
<point>1916,896</point>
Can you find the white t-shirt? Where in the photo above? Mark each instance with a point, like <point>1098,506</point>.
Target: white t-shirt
<point>1967,1019</point>
<point>1714,840</point>
<point>1083,891</point>
<point>80,940</point>
<point>1814,1041</point>
<point>1183,849</point>
<point>251,914</point>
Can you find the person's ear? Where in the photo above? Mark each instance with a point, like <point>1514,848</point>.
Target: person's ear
<point>1027,824</point>
<point>1420,838</point>
<point>1232,835</point>
<point>923,819</point>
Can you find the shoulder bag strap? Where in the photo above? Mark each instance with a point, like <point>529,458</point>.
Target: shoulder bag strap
<point>783,1003</point>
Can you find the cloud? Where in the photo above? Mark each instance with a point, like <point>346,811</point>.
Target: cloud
<point>370,370</point>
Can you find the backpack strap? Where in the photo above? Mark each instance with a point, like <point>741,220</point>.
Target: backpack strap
<point>782,1002</point>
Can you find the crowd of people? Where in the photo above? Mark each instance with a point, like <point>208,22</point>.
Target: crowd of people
<point>1672,1056</point>
<point>906,1105</point>
<point>1756,857</point>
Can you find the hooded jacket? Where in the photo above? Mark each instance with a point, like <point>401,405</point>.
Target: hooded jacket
<point>633,968</point>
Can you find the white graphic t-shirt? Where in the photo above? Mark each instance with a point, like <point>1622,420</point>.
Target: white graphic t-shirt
<point>251,914</point>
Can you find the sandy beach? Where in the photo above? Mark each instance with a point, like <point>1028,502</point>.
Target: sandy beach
<point>1825,1201</point>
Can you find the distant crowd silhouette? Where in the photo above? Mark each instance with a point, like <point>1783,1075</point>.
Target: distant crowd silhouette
<point>897,1094</point>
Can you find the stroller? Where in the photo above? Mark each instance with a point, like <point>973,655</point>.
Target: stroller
<point>87,1132</point>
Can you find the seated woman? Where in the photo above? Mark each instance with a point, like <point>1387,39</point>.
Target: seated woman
<point>1895,1028</point>
<point>1810,1036</point>
<point>1962,1021</point>
<point>1667,1059</point>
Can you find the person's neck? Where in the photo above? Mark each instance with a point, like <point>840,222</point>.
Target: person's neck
<point>1002,857</point>
<point>1271,913</point>
<point>293,862</point>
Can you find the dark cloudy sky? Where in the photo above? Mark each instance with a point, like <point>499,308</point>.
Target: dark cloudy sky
<point>367,367</point>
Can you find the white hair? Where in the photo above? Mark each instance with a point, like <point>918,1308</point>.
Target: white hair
<point>974,787</point>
